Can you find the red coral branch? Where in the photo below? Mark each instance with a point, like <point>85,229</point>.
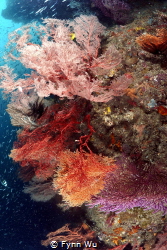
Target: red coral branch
<point>85,138</point>
<point>79,234</point>
<point>41,146</point>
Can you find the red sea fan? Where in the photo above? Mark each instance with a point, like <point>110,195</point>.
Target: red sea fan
<point>81,175</point>
<point>79,234</point>
<point>41,146</point>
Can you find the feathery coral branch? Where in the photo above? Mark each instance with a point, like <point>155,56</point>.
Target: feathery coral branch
<point>154,44</point>
<point>41,146</point>
<point>65,67</point>
<point>79,234</point>
<point>81,175</point>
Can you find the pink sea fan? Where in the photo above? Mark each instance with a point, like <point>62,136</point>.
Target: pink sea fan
<point>65,67</point>
<point>88,31</point>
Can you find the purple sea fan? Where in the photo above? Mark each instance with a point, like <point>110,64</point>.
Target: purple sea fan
<point>133,186</point>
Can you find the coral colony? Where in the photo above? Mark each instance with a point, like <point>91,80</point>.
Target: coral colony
<point>90,102</point>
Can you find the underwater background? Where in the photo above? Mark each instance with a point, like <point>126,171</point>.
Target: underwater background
<point>83,131</point>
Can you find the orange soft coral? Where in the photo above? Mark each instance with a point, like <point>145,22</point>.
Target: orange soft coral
<point>154,44</point>
<point>81,175</point>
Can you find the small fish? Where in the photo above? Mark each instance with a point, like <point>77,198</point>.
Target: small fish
<point>72,36</point>
<point>4,183</point>
<point>40,10</point>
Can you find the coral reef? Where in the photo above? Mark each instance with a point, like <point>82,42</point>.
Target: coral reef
<point>134,226</point>
<point>93,115</point>
<point>115,9</point>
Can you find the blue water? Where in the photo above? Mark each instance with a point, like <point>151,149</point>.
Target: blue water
<point>23,222</point>
<point>6,26</point>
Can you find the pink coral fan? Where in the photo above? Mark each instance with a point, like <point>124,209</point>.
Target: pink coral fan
<point>66,67</point>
